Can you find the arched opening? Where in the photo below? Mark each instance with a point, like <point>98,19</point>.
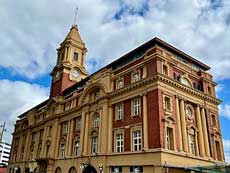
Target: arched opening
<point>89,169</point>
<point>72,170</point>
<point>58,170</point>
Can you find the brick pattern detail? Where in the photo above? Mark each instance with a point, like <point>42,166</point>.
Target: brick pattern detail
<point>151,68</point>
<point>155,113</point>
<point>128,121</point>
<point>59,86</point>
<point>127,79</point>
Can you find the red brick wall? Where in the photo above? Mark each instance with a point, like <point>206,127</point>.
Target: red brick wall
<point>151,68</point>
<point>154,121</point>
<point>127,140</point>
<point>59,86</point>
<point>127,79</point>
<point>127,122</point>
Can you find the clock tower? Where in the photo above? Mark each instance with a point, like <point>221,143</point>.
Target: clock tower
<point>70,66</point>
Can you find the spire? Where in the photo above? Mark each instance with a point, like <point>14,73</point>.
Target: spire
<point>74,35</point>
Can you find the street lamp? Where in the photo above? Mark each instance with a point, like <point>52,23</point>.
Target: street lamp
<point>100,166</point>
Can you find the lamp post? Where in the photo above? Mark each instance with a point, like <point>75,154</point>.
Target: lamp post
<point>100,166</point>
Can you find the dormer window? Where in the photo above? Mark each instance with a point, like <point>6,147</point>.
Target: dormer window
<point>75,56</point>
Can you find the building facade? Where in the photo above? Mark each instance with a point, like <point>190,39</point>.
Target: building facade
<point>4,153</point>
<point>152,110</point>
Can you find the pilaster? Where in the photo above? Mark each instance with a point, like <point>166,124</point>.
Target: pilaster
<point>200,132</point>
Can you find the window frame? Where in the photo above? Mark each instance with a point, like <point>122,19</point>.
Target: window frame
<point>119,148</point>
<point>118,86</point>
<point>74,57</point>
<point>94,144</point>
<point>138,139</point>
<point>119,111</point>
<point>136,106</point>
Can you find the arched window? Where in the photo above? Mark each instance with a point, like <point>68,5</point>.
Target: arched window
<point>96,120</point>
<point>72,170</point>
<point>58,170</point>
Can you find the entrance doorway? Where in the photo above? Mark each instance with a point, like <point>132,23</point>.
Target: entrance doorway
<point>89,169</point>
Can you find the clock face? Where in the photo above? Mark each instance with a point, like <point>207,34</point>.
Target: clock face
<point>75,73</point>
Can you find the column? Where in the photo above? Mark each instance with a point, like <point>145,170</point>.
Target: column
<point>99,131</point>
<point>144,75</point>
<point>65,53</point>
<point>178,124</point>
<point>43,151</point>
<point>70,140</point>
<point>196,146</point>
<point>82,132</point>
<point>200,133</point>
<point>55,140</point>
<point>85,151</point>
<point>27,149</point>
<point>110,129</point>
<point>183,126</point>
<point>104,128</point>
<point>145,122</point>
<point>205,132</point>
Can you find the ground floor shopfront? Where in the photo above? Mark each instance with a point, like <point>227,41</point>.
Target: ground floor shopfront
<point>143,162</point>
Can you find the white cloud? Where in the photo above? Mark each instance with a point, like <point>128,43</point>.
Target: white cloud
<point>17,97</point>
<point>31,32</point>
<point>226,143</point>
<point>225,110</point>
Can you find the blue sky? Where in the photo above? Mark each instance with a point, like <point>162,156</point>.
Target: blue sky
<point>30,34</point>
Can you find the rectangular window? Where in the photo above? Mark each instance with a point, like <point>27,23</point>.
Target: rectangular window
<point>120,84</point>
<point>192,144</point>
<point>75,56</point>
<point>119,111</point>
<point>136,169</point>
<point>62,150</point>
<point>165,70</point>
<point>137,141</point>
<point>77,124</point>
<point>64,128</point>
<point>169,138</point>
<point>94,144</point>
<point>116,169</point>
<point>119,142</point>
<point>96,121</point>
<point>136,76</point>
<point>213,120</point>
<point>136,106</point>
<point>167,103</point>
<point>76,148</point>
